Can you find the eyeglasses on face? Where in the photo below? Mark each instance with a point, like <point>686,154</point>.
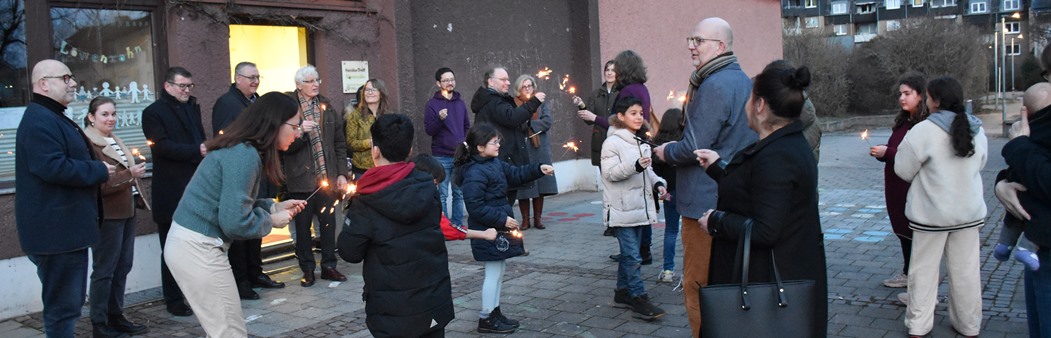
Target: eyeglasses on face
<point>312,81</point>
<point>295,127</point>
<point>182,86</point>
<point>67,78</point>
<point>529,86</point>
<point>494,142</point>
<point>372,90</point>
<point>448,81</point>
<point>695,41</point>
<point>253,78</point>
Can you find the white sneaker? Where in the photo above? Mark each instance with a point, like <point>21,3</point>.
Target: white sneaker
<point>904,298</point>
<point>666,276</point>
<point>899,280</point>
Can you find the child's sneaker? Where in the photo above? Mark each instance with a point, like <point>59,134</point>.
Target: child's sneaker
<point>1028,258</point>
<point>666,276</point>
<point>899,280</point>
<point>1001,252</point>
<point>621,298</point>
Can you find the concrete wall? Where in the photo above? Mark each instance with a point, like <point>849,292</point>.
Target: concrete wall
<point>657,30</point>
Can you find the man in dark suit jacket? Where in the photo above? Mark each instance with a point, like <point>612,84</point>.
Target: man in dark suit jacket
<point>57,211</point>
<point>172,126</point>
<point>245,259</point>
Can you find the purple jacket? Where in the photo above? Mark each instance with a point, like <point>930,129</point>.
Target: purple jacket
<point>449,133</point>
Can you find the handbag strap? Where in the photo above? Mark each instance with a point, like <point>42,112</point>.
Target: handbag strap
<point>742,262</point>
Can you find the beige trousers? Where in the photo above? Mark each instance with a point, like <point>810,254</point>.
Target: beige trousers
<point>696,254</point>
<point>202,269</point>
<point>960,249</point>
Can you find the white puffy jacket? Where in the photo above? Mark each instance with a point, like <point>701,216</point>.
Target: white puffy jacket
<point>628,194</point>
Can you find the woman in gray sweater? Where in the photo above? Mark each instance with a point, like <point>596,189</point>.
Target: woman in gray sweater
<point>219,205</point>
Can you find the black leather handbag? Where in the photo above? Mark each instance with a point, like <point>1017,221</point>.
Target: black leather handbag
<point>779,309</point>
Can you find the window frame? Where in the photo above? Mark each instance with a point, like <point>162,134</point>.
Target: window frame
<point>809,3</point>
<point>896,4</point>
<point>842,5</point>
<point>1017,5</point>
<point>1017,25</point>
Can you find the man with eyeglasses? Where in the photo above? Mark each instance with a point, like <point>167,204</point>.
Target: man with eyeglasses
<point>715,119</point>
<point>492,104</point>
<point>57,177</point>
<point>445,120</point>
<point>173,125</point>
<point>246,260</point>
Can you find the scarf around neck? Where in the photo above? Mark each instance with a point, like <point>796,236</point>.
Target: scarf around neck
<point>698,76</point>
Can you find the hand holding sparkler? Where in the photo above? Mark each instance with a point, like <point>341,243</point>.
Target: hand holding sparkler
<point>308,126</point>
<point>138,170</point>
<point>135,152</point>
<point>878,151</point>
<point>540,96</point>
<point>706,157</point>
<point>547,169</point>
<point>511,223</point>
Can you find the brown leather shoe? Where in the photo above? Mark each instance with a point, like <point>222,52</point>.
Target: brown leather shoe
<point>332,274</point>
<point>525,224</point>
<point>307,280</point>
<point>537,224</point>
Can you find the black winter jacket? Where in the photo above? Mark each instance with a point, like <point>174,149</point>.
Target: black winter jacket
<point>499,110</point>
<point>395,231</point>
<point>1029,160</point>
<point>484,183</point>
<point>177,133</point>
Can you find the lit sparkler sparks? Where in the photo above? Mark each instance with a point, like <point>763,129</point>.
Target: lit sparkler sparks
<point>515,233</point>
<point>220,131</point>
<point>671,95</point>
<point>865,136</point>
<point>572,90</point>
<point>135,152</point>
<point>565,80</point>
<point>324,183</point>
<point>544,73</point>
<point>571,145</point>
<point>149,143</point>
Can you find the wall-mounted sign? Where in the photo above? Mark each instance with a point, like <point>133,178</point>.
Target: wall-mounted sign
<point>355,74</point>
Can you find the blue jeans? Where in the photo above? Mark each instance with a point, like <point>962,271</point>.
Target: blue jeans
<point>629,275</point>
<point>63,277</point>
<point>111,263</point>
<point>456,216</point>
<point>671,233</point>
<point>1038,296</point>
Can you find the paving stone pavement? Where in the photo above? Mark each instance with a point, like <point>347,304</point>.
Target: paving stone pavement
<point>565,286</point>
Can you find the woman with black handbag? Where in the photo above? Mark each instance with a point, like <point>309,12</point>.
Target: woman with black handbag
<point>771,188</point>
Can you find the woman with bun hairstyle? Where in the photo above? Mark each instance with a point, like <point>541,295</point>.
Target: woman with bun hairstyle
<point>942,157</point>
<point>771,184</point>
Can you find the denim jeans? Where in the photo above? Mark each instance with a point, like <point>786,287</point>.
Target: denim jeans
<point>63,278</point>
<point>456,216</point>
<point>629,275</point>
<point>671,233</point>
<point>111,262</point>
<point>1038,296</point>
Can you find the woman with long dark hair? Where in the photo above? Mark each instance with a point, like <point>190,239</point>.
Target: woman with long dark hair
<point>912,95</point>
<point>772,185</point>
<point>943,157</point>
<point>219,205</point>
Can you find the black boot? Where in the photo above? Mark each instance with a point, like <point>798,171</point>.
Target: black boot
<point>500,315</point>
<point>122,324</point>
<point>493,324</point>
<point>104,331</point>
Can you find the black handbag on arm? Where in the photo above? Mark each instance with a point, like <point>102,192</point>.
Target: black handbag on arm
<point>779,309</point>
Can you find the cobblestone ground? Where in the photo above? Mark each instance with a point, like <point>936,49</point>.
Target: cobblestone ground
<point>565,287</point>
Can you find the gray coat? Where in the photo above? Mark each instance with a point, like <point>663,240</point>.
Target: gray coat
<point>546,185</point>
<point>715,119</point>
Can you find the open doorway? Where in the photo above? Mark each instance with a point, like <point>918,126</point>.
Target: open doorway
<point>277,51</point>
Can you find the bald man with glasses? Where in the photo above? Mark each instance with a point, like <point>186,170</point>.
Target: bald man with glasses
<point>58,178</point>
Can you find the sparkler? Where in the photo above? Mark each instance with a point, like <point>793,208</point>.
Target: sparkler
<point>324,183</point>
<point>565,80</point>
<point>135,152</point>
<point>865,136</point>
<point>544,73</point>
<point>149,143</point>
<point>515,233</point>
<point>534,134</point>
<point>220,131</point>
<point>572,90</point>
<point>671,95</point>
<point>571,145</point>
<point>642,140</point>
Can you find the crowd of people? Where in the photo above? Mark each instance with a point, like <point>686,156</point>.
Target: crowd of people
<point>739,157</point>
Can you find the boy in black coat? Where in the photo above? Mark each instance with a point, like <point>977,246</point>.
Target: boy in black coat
<point>392,225</point>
